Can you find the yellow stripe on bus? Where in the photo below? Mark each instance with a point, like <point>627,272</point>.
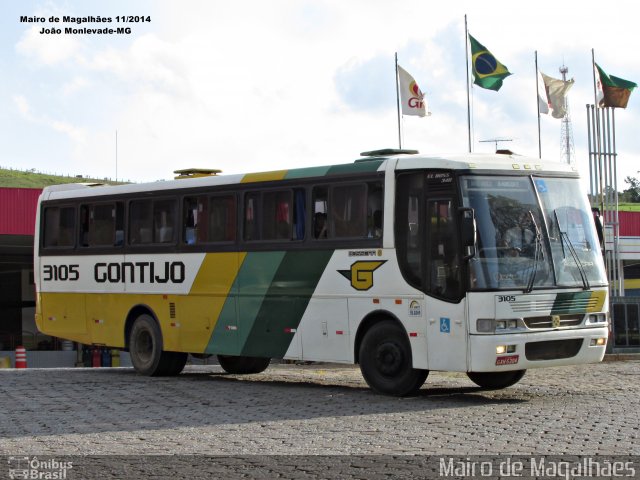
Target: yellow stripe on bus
<point>208,294</point>
<point>599,297</point>
<point>264,176</point>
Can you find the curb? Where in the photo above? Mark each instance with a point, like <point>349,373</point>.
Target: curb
<point>620,357</point>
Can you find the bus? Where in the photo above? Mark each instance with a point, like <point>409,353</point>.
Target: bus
<point>399,262</point>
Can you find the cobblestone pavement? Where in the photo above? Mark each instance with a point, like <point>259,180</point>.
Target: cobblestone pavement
<point>316,410</point>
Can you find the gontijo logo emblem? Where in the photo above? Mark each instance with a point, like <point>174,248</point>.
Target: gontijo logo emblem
<point>361,273</point>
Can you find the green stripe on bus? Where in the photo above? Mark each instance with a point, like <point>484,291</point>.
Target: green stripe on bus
<point>246,296</point>
<point>576,302</point>
<point>360,167</point>
<point>307,172</point>
<point>285,303</point>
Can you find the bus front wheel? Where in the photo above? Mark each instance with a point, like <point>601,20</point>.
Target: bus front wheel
<point>385,361</point>
<point>496,380</point>
<point>145,349</point>
<point>243,365</point>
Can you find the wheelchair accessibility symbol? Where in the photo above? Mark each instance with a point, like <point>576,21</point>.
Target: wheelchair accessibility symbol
<point>445,325</point>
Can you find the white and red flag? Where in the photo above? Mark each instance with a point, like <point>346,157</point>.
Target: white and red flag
<point>412,99</point>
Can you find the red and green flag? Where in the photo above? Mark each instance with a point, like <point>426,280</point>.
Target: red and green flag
<point>612,91</point>
<point>488,72</point>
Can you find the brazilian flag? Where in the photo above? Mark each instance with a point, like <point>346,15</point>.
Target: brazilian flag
<point>487,70</point>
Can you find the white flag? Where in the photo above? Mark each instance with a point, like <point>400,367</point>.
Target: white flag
<point>411,97</point>
<point>555,91</point>
<point>599,89</point>
<point>543,100</point>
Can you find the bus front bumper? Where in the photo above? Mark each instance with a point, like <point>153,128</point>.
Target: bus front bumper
<point>519,351</point>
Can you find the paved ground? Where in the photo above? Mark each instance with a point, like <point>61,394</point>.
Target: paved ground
<point>320,410</point>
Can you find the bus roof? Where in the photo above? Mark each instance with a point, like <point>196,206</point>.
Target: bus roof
<point>372,162</point>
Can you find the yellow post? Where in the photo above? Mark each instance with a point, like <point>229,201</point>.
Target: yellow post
<point>115,358</point>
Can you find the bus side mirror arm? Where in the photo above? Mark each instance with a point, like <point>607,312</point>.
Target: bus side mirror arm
<point>468,231</point>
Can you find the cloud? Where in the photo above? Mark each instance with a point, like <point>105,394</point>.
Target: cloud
<point>367,85</point>
<point>76,84</point>
<point>23,106</point>
<point>49,49</point>
<point>75,134</point>
<point>147,63</point>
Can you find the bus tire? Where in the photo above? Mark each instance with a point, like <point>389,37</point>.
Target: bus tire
<point>243,365</point>
<point>385,361</point>
<point>175,363</point>
<point>145,349</point>
<point>496,380</point>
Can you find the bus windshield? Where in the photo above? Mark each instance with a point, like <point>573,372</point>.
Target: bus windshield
<point>533,232</point>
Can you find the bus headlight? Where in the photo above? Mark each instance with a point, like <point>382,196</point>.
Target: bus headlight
<point>500,349</point>
<point>598,342</point>
<point>597,318</point>
<point>489,325</point>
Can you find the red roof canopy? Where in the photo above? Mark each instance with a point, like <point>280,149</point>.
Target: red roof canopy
<point>18,210</point>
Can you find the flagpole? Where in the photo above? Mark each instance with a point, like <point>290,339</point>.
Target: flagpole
<point>466,49</point>
<point>598,156</point>
<point>398,104</point>
<point>538,107</point>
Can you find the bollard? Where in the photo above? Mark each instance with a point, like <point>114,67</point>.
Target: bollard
<point>95,357</point>
<point>115,358</point>
<point>21,357</point>
<point>106,357</point>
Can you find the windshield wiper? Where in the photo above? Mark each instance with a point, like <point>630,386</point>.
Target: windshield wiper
<point>564,237</point>
<point>536,255</point>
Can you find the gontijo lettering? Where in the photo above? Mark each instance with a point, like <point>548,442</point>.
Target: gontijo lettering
<point>139,272</point>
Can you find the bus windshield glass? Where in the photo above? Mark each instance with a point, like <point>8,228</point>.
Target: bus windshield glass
<point>533,233</point>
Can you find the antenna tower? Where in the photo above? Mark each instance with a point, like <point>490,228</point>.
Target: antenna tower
<point>566,134</point>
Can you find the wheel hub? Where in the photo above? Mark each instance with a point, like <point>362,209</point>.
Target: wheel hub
<point>389,359</point>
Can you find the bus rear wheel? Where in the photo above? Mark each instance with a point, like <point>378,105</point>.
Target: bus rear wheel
<point>243,365</point>
<point>496,380</point>
<point>385,361</point>
<point>145,348</point>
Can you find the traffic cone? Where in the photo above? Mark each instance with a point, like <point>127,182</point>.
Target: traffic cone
<point>21,357</point>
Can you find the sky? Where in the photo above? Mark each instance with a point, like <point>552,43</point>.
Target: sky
<point>257,85</point>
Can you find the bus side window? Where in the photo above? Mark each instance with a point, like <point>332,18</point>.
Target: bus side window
<point>276,215</point>
<point>348,211</point>
<point>195,219</point>
<point>164,212</point>
<point>222,219</point>
<point>374,210</point>
<point>59,226</point>
<point>140,222</point>
<point>299,213</point>
<point>319,203</point>
<point>101,225</point>
<point>251,201</point>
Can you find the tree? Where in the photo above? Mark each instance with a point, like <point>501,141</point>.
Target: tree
<point>632,194</point>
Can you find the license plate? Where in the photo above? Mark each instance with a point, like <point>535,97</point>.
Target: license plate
<point>510,360</point>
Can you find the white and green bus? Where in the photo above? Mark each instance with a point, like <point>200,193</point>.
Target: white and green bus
<point>399,262</point>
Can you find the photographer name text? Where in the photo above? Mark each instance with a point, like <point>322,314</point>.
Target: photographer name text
<point>70,25</point>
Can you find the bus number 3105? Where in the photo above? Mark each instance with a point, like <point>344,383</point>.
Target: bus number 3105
<point>61,272</point>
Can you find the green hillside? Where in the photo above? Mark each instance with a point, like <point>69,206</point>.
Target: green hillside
<point>629,207</point>
<point>30,179</point>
